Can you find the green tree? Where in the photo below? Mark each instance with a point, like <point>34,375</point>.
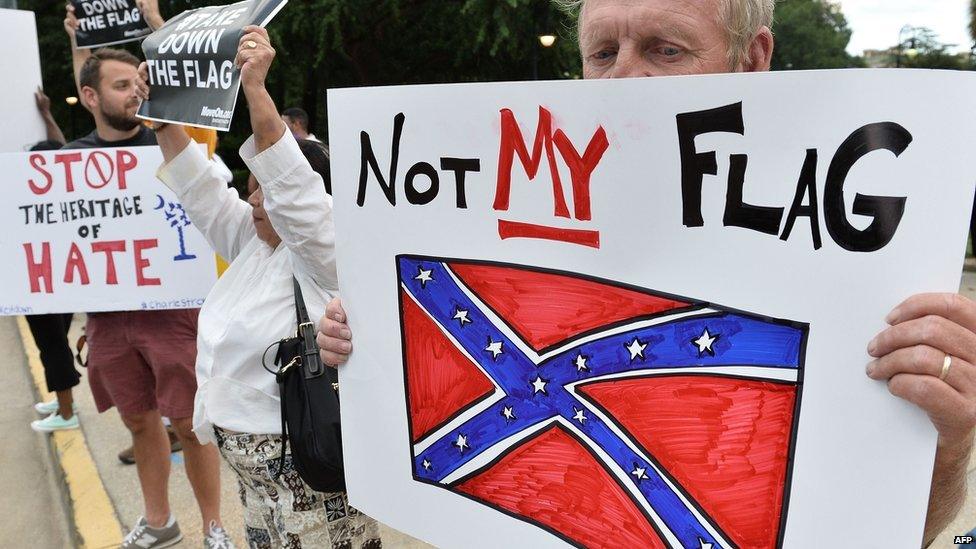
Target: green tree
<point>811,34</point>
<point>923,50</point>
<point>972,20</point>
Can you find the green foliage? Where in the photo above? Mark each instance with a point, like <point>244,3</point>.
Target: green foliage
<point>811,34</point>
<point>972,20</point>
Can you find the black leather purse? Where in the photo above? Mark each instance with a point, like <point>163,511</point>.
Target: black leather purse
<point>309,407</point>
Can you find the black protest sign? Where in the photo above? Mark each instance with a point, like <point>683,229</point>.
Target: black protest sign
<point>192,77</point>
<point>106,22</point>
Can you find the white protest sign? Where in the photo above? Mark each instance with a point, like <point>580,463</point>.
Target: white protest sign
<point>22,123</point>
<point>635,312</point>
<point>93,230</point>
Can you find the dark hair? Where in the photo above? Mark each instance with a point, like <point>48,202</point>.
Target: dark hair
<point>317,155</point>
<point>298,115</point>
<point>90,74</point>
<point>47,145</point>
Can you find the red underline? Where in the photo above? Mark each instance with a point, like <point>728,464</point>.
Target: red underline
<point>514,229</point>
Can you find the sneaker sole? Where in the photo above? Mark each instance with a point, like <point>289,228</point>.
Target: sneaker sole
<point>50,430</point>
<point>170,543</point>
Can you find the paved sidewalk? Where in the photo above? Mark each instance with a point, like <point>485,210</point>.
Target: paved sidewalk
<point>33,509</point>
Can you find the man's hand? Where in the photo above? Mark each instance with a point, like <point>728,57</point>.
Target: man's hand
<point>910,356</point>
<point>43,102</point>
<point>70,23</point>
<point>150,13</point>
<point>334,337</point>
<point>142,82</point>
<point>254,56</point>
<point>927,357</point>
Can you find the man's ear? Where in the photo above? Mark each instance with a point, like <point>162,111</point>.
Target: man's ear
<point>760,53</point>
<point>89,97</point>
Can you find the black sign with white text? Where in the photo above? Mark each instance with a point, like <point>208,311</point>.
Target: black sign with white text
<point>192,77</point>
<point>106,22</point>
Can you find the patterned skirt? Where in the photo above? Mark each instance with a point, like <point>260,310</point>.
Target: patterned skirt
<point>285,512</point>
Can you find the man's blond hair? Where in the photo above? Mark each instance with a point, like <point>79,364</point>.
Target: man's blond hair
<point>742,19</point>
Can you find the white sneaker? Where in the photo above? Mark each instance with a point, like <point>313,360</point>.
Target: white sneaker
<point>48,408</point>
<point>55,422</point>
<point>217,538</point>
<point>143,536</point>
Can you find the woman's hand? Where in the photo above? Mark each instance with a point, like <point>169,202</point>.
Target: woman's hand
<point>254,57</point>
<point>334,337</point>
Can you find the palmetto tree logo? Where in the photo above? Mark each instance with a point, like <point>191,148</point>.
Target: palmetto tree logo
<point>177,218</point>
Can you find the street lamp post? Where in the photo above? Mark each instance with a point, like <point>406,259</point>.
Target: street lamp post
<point>911,52</point>
<point>546,41</point>
<point>72,101</point>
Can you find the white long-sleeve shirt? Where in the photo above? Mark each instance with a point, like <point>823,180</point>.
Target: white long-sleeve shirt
<point>252,305</point>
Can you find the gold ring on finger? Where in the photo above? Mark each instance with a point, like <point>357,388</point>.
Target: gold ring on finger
<point>250,44</point>
<point>946,364</point>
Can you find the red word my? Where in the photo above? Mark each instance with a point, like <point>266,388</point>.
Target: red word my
<point>581,167</point>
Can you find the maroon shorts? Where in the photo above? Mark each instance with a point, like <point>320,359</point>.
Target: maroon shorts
<point>143,360</point>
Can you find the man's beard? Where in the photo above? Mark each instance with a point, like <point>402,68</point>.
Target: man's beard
<point>121,122</point>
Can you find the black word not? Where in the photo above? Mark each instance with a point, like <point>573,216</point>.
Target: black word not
<point>414,193</point>
<point>886,212</point>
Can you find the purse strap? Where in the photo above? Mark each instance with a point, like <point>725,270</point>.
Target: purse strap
<point>311,362</point>
<point>311,366</point>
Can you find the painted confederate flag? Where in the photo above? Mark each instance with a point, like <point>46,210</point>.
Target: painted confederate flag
<point>609,415</point>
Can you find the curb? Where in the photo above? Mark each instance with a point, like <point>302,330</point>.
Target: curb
<point>91,514</point>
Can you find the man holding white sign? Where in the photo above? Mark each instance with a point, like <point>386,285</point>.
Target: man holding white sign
<point>142,362</point>
<point>927,354</point>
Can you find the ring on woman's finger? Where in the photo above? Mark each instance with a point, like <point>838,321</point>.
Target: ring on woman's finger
<point>250,44</point>
<point>946,365</point>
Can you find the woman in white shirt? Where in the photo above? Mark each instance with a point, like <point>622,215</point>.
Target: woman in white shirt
<point>284,229</point>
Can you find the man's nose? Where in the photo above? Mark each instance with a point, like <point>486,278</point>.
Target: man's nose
<point>631,63</point>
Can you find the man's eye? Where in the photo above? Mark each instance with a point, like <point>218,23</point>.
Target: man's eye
<point>669,51</point>
<point>603,55</point>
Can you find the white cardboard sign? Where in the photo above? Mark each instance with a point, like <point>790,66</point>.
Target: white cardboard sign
<point>22,124</point>
<point>93,230</point>
<point>636,312</point>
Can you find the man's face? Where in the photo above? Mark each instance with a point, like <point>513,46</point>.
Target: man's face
<point>293,126</point>
<point>628,38</point>
<point>116,98</point>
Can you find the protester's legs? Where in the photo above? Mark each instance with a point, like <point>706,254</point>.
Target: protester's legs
<point>167,342</point>
<point>120,377</point>
<point>50,335</point>
<point>152,463</point>
<point>202,469</point>
<point>286,512</point>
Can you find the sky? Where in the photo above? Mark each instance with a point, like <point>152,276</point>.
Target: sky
<point>876,22</point>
